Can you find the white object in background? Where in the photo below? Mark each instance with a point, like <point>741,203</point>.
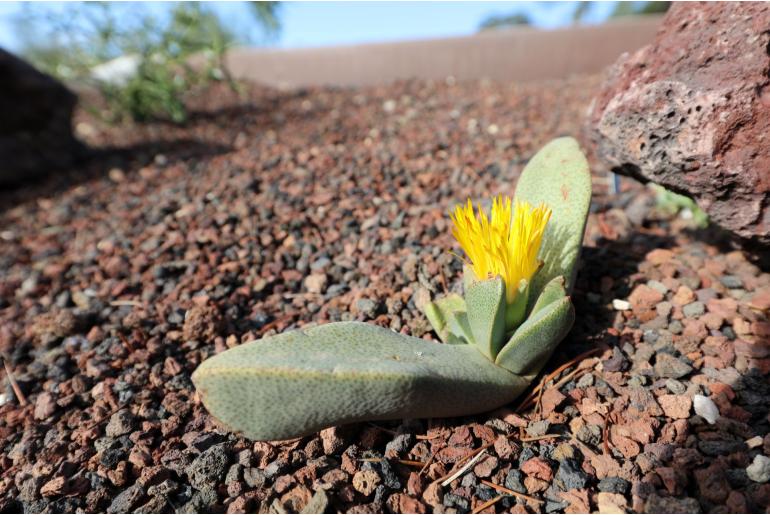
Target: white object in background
<point>118,71</point>
<point>759,470</point>
<point>621,305</point>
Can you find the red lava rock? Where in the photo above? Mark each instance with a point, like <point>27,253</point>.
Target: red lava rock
<point>760,300</point>
<point>485,466</point>
<point>628,447</point>
<point>504,448</point>
<point>54,487</point>
<point>611,502</point>
<point>650,116</point>
<point>316,283</point>
<point>726,307</point>
<point>643,300</point>
<point>415,484</point>
<point>605,466</point>
<point>402,503</point>
<point>240,504</point>
<point>683,296</point>
<point>201,323</point>
<point>45,406</point>
<point>535,485</point>
<point>538,468</point>
<point>332,440</point>
<point>675,406</point>
<point>578,501</point>
<point>551,399</point>
<point>484,433</point>
<point>673,479</point>
<point>371,437</point>
<point>452,454</point>
<point>461,437</point>
<point>659,256</point>
<point>736,502</point>
<point>335,478</point>
<point>433,495</point>
<point>760,349</point>
<point>50,327</point>
<point>712,483</point>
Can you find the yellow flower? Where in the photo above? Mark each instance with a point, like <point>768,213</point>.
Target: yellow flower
<point>502,244</point>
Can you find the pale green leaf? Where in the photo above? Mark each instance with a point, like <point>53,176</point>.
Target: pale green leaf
<point>302,381</point>
<point>558,175</point>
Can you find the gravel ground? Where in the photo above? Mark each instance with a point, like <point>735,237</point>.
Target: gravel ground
<point>278,210</point>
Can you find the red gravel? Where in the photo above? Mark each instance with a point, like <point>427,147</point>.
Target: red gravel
<point>284,209</point>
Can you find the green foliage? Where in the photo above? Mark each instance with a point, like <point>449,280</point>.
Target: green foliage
<point>449,318</point>
<point>622,9</point>
<point>146,62</point>
<point>672,204</point>
<point>298,382</point>
<point>532,343</point>
<point>637,8</point>
<point>558,175</point>
<point>302,381</point>
<point>485,301</point>
<point>500,21</point>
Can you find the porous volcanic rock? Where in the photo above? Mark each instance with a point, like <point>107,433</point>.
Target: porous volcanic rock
<point>691,111</point>
<point>36,134</point>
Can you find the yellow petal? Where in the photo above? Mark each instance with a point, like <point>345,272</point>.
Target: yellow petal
<point>506,243</point>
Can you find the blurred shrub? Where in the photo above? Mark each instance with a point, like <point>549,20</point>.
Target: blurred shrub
<point>671,203</point>
<point>144,64</point>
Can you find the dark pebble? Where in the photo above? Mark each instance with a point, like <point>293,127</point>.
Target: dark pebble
<point>570,476</point>
<point>615,485</point>
<point>210,467</point>
<point>127,500</point>
<point>455,501</point>
<point>513,481</point>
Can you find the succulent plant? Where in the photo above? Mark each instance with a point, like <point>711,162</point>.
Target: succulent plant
<point>519,270</point>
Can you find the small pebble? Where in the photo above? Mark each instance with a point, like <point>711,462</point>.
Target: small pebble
<point>694,309</point>
<point>667,365</point>
<point>759,470</point>
<point>585,381</point>
<point>731,281</point>
<point>658,286</point>
<point>538,428</point>
<point>675,386</point>
<point>621,305</point>
<point>616,485</point>
<point>706,408</point>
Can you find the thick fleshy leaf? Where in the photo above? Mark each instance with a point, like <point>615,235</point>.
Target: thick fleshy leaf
<point>533,342</point>
<point>301,381</point>
<point>469,277</point>
<point>517,310</point>
<point>558,175</point>
<point>448,318</point>
<point>485,304</point>
<point>459,328</point>
<point>552,292</point>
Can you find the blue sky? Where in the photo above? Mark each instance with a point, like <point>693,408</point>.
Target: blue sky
<point>314,24</point>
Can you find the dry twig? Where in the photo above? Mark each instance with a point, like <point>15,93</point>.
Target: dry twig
<point>511,492</point>
<point>14,385</point>
<point>464,468</point>
<point>482,507</point>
